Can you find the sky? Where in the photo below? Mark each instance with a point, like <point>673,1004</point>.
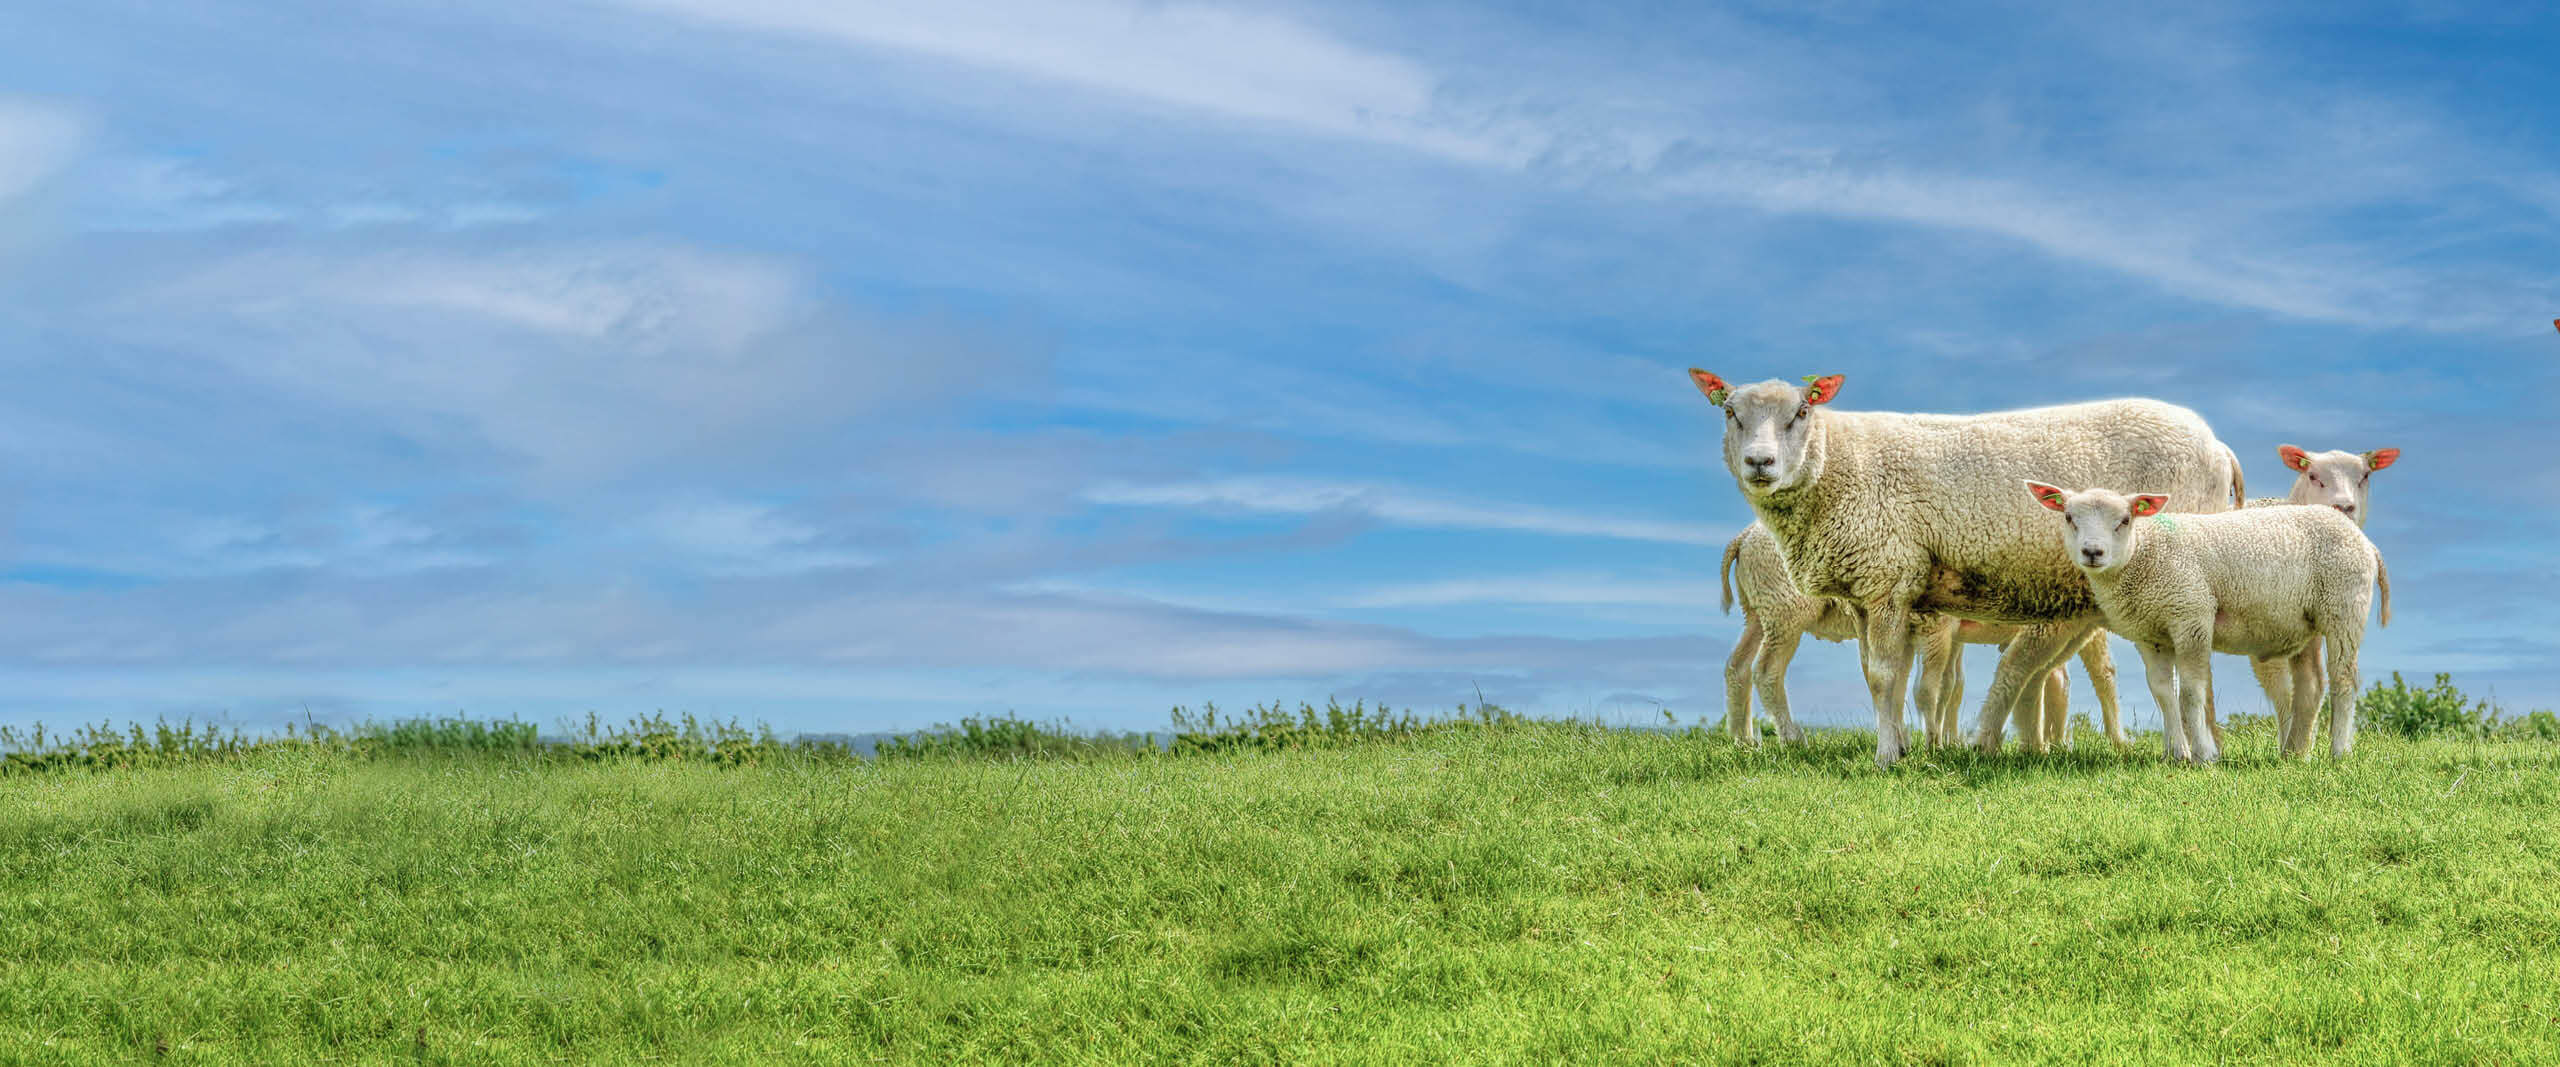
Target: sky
<point>863,366</point>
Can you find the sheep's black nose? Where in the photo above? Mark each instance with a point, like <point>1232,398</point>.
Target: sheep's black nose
<point>2092,554</point>
<point>1759,463</point>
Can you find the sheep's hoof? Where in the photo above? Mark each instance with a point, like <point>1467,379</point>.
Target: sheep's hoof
<point>1791,734</point>
<point>1888,749</point>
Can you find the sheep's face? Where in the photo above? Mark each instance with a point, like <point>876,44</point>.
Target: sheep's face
<point>2097,525</point>
<point>2337,479</point>
<point>1766,427</point>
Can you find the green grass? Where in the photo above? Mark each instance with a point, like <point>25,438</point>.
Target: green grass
<point>1513,893</point>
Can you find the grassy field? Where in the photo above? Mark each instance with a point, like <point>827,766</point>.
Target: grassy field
<point>1521,893</point>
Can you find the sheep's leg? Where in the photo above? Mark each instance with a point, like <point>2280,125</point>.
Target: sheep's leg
<point>1777,650</point>
<point>1885,652</point>
<point>2342,693</point>
<point>1737,683</point>
<point>2159,668</point>
<point>2195,679</point>
<point>2020,678</point>
<point>2275,675</point>
<point>2027,716</point>
<point>2305,694</point>
<point>2057,709</point>
<point>2102,681</point>
<point>1951,698</point>
<point>1937,642</point>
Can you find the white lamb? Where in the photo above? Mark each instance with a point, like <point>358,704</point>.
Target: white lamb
<point>1776,617</point>
<point>2268,583</point>
<point>1900,514</point>
<point>2341,480</point>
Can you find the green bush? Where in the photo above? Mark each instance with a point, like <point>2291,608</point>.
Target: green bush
<point>2441,710</point>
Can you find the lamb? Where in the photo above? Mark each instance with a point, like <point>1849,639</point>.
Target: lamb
<point>2341,480</point>
<point>1776,618</point>
<point>1898,514</point>
<point>2267,583</point>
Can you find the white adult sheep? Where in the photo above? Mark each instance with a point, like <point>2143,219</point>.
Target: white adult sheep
<point>2267,583</point>
<point>1898,513</point>
<point>1776,617</point>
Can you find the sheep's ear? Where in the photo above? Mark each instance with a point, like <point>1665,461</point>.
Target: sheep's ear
<point>2149,504</point>
<point>2380,458</point>
<point>1821,390</point>
<point>2294,457</point>
<point>2046,495</point>
<point>1714,387</point>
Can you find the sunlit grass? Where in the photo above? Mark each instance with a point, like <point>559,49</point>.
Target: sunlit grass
<point>1521,893</point>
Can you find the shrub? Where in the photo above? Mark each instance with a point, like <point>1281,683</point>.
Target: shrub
<point>2434,711</point>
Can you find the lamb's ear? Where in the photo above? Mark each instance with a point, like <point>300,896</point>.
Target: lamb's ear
<point>2046,495</point>
<point>1714,387</point>
<point>2294,457</point>
<point>2149,504</point>
<point>2380,458</point>
<point>1821,390</point>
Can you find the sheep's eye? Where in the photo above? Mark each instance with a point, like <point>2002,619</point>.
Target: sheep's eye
<point>2127,521</point>
<point>2315,479</point>
<point>1803,410</point>
<point>1728,414</point>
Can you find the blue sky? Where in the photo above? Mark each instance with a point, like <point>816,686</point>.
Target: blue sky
<point>862,366</point>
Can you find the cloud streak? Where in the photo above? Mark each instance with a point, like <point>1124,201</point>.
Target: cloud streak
<point>1281,496</point>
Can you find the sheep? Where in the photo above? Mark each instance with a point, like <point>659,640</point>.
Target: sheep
<point>1776,618</point>
<point>2341,480</point>
<point>2267,583</point>
<point>1898,513</point>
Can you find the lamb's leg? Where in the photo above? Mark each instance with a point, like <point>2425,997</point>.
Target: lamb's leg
<point>2057,709</point>
<point>2101,663</point>
<point>2342,692</point>
<point>2275,675</point>
<point>2212,722</point>
<point>1778,649</point>
<point>2317,671</point>
<point>2305,694</point>
<point>2195,679</point>
<point>1737,683</point>
<point>1885,652</point>
<point>2023,664</point>
<point>2159,668</point>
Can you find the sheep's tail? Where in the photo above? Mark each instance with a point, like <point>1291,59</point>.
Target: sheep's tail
<point>2239,481</point>
<point>1724,574</point>
<point>2382,577</point>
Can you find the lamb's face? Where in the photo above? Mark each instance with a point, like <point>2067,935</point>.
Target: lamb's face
<point>2097,524</point>
<point>1766,427</point>
<point>2341,480</point>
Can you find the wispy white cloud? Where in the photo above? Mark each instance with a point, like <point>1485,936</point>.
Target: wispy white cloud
<point>581,359</point>
<point>1210,59</point>
<point>36,141</point>
<point>1591,589</point>
<point>1284,496</point>
<point>750,539</point>
<point>2221,230</point>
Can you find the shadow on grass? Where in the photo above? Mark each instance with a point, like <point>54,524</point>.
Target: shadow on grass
<point>1850,753</point>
